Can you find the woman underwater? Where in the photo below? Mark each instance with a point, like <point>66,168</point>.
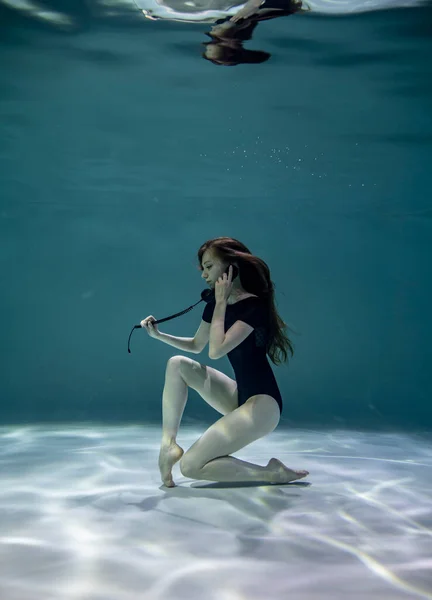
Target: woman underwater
<point>241,322</point>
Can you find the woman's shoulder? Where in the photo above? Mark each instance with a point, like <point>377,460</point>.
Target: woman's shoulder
<point>245,297</point>
<point>250,303</point>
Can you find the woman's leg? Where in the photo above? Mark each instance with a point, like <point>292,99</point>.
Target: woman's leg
<point>217,389</point>
<point>209,457</point>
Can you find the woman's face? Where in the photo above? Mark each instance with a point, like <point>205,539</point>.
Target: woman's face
<point>213,52</point>
<point>221,54</point>
<point>213,267</point>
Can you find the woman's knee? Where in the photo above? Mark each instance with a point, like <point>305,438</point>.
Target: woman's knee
<point>189,466</point>
<point>180,365</point>
<point>174,362</point>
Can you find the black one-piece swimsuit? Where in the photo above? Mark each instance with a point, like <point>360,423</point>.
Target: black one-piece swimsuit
<point>249,361</point>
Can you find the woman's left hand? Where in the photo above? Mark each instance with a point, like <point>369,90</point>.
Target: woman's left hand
<point>223,287</point>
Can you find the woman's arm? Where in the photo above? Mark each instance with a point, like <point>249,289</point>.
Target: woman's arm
<point>217,330</point>
<point>220,342</point>
<point>194,345</point>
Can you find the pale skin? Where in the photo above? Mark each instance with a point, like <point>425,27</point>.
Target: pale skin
<point>209,458</point>
<point>251,8</point>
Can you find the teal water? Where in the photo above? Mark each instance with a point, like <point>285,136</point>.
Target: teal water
<point>121,150</point>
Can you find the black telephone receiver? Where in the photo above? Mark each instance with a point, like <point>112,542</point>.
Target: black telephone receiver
<point>206,296</point>
<point>234,271</point>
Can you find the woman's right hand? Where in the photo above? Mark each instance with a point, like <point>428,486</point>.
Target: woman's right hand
<point>149,326</point>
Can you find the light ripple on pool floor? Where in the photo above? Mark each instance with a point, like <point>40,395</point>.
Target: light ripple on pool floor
<point>83,516</point>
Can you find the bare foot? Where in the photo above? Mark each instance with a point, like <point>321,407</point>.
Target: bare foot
<point>168,456</point>
<point>279,473</point>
